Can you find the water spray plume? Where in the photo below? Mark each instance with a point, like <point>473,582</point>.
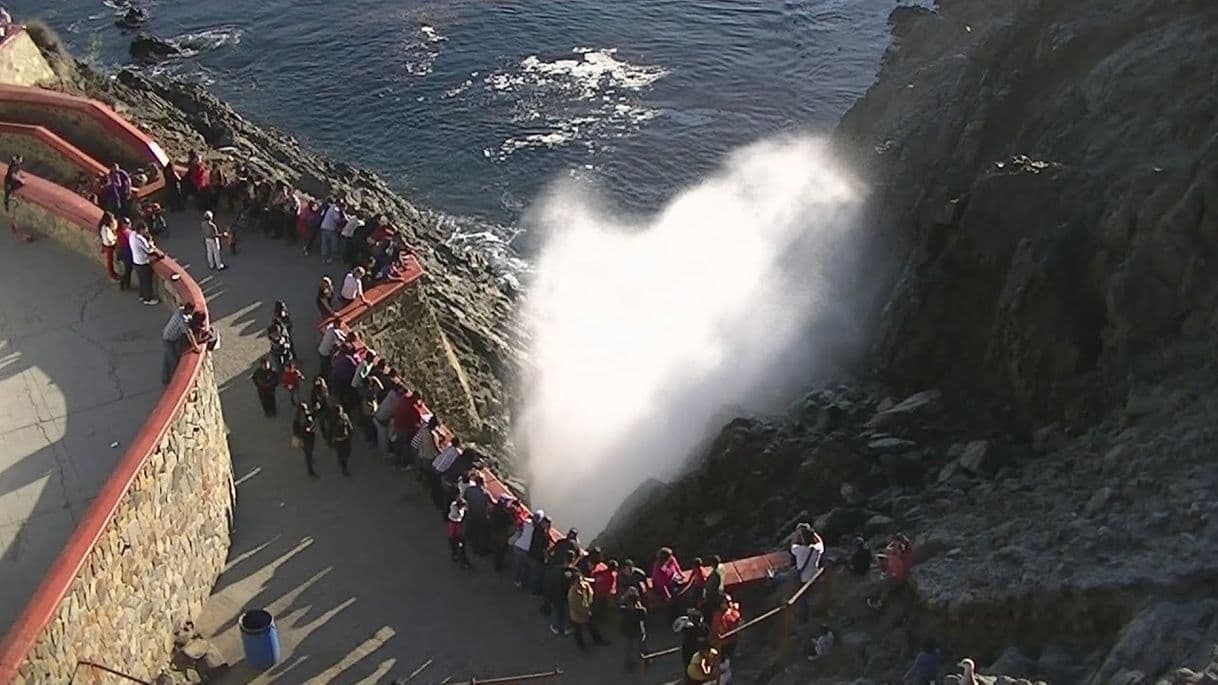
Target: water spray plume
<point>648,336</point>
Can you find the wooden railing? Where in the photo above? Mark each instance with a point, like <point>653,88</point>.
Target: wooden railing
<point>92,670</point>
<point>556,675</point>
<point>786,610</point>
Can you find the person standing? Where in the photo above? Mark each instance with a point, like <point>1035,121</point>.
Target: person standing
<point>579,607</point>
<point>319,401</point>
<point>175,336</point>
<point>304,429</point>
<point>291,378</point>
<point>477,523</point>
<point>265,380</point>
<point>143,251</point>
<point>633,626</point>
<point>197,179</point>
<point>118,190</point>
<point>424,445</point>
<point>331,338</point>
<point>107,233</point>
<point>454,522</point>
<point>125,234</point>
<point>211,242</point>
<point>341,436</point>
<point>347,235</point>
<point>325,298</point>
<point>330,222</point>
<point>13,179</point>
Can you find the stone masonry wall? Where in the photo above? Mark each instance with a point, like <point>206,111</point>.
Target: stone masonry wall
<point>159,555</point>
<point>156,560</point>
<point>405,327</point>
<point>22,64</point>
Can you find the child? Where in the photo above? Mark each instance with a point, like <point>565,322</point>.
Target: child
<point>291,380</point>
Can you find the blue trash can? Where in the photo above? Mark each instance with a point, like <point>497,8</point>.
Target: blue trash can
<point>259,638</point>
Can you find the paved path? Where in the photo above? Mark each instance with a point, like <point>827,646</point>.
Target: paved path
<point>356,570</point>
<point>79,371</point>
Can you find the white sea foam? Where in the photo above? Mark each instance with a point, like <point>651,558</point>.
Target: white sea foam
<point>421,49</point>
<point>647,335</point>
<point>197,42</point>
<point>592,96</point>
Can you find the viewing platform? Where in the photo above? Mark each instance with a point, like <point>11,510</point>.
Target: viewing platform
<point>131,508</point>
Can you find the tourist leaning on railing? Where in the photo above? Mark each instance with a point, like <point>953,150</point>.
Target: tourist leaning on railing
<point>176,336</point>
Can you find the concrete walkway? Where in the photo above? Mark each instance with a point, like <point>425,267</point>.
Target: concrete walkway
<point>79,371</point>
<point>355,570</point>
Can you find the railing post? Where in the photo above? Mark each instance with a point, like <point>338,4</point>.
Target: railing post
<point>787,626</point>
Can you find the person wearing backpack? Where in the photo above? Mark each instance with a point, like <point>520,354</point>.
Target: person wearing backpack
<point>579,604</point>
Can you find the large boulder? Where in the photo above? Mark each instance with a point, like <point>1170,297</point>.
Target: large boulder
<point>149,49</point>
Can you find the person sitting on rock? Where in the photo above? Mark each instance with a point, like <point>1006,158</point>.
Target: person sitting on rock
<point>896,561</point>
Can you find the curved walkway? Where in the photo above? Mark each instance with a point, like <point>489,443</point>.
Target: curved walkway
<point>356,570</point>
<point>79,372</point>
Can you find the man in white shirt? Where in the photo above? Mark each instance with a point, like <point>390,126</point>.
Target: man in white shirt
<point>807,547</point>
<point>347,233</point>
<point>330,222</point>
<point>211,242</point>
<point>353,287</point>
<point>143,251</point>
<point>330,340</point>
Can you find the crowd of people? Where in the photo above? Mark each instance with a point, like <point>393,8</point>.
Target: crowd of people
<point>356,392</point>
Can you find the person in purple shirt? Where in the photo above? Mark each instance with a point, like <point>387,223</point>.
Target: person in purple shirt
<point>343,373</point>
<point>118,189</point>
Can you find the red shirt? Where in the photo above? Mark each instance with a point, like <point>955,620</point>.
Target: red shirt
<point>197,175</point>
<point>604,581</point>
<point>292,378</point>
<point>407,417</point>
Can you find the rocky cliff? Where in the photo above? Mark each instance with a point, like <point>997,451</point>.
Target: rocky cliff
<point>1041,412</point>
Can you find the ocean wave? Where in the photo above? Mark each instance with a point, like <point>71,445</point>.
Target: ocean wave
<point>593,73</point>
<point>590,98</point>
<point>192,44</point>
<point>421,50</point>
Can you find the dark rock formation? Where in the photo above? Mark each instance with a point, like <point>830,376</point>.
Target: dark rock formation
<point>1051,166</point>
<point>131,17</point>
<point>148,48</point>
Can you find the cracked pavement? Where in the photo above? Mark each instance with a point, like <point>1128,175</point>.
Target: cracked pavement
<point>79,370</point>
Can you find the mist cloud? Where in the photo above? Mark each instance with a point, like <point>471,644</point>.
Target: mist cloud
<point>648,334</point>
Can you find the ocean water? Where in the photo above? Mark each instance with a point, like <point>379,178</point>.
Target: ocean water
<point>474,107</point>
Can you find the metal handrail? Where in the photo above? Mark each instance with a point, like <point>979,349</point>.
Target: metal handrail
<point>107,669</point>
<point>556,673</point>
<point>783,608</point>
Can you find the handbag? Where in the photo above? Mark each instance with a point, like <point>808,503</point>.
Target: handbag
<point>297,443</point>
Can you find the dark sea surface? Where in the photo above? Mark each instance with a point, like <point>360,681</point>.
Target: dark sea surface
<point>472,107</point>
